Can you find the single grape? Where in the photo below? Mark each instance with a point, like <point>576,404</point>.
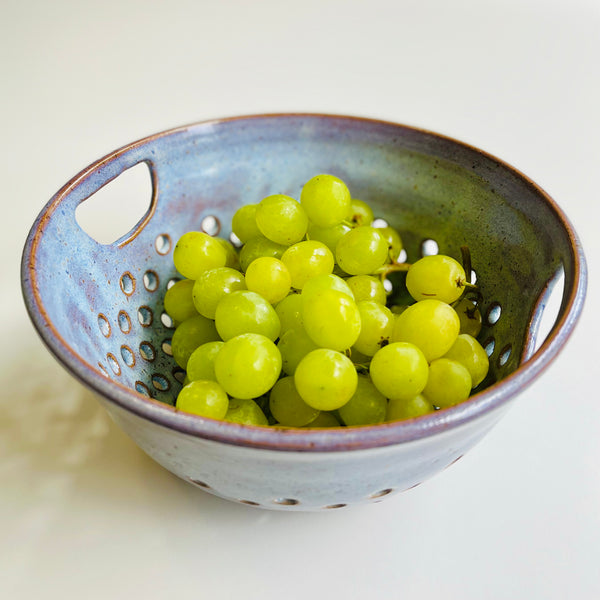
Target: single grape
<point>246,312</point>
<point>469,316</point>
<point>361,251</point>
<point>360,212</point>
<point>449,383</point>
<point>203,398</point>
<point>330,236</point>
<point>178,300</point>
<point>325,282</point>
<point>377,327</point>
<point>294,345</point>
<point>288,407</point>
<point>201,364</point>
<point>394,241</point>
<point>368,406</point>
<point>243,223</point>
<point>245,412</point>
<point>399,371</point>
<point>367,287</point>
<point>212,285</point>
<point>190,334</point>
<point>331,319</point>
<point>281,219</point>
<point>289,311</point>
<point>325,420</point>
<point>259,246</point>
<point>326,200</point>
<point>325,379</point>
<point>401,409</point>
<point>307,259</point>
<point>437,276</point>
<point>432,325</point>
<point>196,252</point>
<point>269,277</point>
<point>248,365</point>
<point>469,352</point>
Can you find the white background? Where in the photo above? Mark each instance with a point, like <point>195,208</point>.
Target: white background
<point>83,512</point>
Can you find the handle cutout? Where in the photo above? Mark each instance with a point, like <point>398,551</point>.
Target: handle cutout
<point>114,211</point>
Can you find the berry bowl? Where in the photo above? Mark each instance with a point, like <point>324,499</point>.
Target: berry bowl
<point>99,307</point>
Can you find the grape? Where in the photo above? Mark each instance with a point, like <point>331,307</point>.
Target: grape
<point>367,287</point>
<point>438,276</point>
<point>449,383</point>
<point>232,260</point>
<point>469,352</point>
<point>212,285</point>
<point>360,212</point>
<point>245,412</point>
<point>243,223</point>
<point>469,316</point>
<point>246,312</point>
<point>400,409</point>
<point>190,334</point>
<point>196,252</point>
<point>178,300</point>
<point>248,365</point>
<point>289,311</point>
<point>394,241</point>
<point>288,407</point>
<point>281,219</point>
<point>399,371</point>
<point>259,246</point>
<point>368,406</point>
<point>432,325</point>
<point>204,398</point>
<point>307,259</point>
<point>331,319</point>
<point>361,251</point>
<point>377,327</point>
<point>270,278</point>
<point>330,236</point>
<point>201,364</point>
<point>294,345</point>
<point>324,420</point>
<point>325,379</point>
<point>325,282</point>
<point>326,200</point>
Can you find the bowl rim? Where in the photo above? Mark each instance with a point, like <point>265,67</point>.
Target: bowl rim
<point>304,440</point>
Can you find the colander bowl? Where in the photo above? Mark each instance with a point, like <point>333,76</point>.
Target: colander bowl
<point>99,307</point>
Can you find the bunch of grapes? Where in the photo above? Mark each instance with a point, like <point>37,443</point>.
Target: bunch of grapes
<point>293,329</point>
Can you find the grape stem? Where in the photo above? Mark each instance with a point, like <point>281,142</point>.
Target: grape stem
<point>392,268</point>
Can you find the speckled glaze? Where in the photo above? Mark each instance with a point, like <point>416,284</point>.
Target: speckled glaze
<point>99,307</point>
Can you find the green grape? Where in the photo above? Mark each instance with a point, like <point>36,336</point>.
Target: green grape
<point>326,200</point>
<point>469,352</point>
<point>307,259</point>
<point>269,277</point>
<point>179,303</point>
<point>281,219</point>
<point>377,327</point>
<point>360,212</point>
<point>259,246</point>
<point>201,364</point>
<point>367,287</point>
<point>248,365</point>
<point>325,379</point>
<point>203,398</point>
<point>325,420</point>
<point>233,260</point>
<point>294,345</point>
<point>190,334</point>
<point>438,276</point>
<point>401,409</point>
<point>245,412</point>
<point>196,252</point>
<point>288,407</point>
<point>432,325</point>
<point>246,312</point>
<point>368,406</point>
<point>399,371</point>
<point>212,285</point>
<point>469,316</point>
<point>289,311</point>
<point>394,241</point>
<point>325,282</point>
<point>361,251</point>
<point>449,383</point>
<point>243,223</point>
<point>331,319</point>
<point>329,236</point>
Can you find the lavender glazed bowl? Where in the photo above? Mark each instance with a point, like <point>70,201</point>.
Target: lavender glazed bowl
<point>99,309</point>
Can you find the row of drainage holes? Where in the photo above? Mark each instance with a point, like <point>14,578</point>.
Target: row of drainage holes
<point>128,283</point>
<point>490,345</point>
<point>145,318</point>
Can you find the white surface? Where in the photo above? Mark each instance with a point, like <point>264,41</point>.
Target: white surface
<point>83,512</point>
